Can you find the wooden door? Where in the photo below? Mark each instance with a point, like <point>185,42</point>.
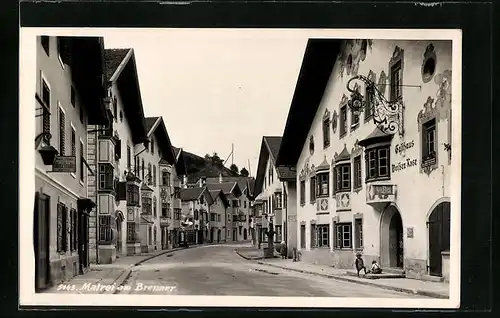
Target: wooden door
<point>41,241</point>
<point>439,237</point>
<point>83,240</point>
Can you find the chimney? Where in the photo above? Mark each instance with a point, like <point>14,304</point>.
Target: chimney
<point>220,177</point>
<point>200,182</point>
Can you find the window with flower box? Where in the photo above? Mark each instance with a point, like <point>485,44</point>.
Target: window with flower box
<point>377,163</point>
<point>342,177</point>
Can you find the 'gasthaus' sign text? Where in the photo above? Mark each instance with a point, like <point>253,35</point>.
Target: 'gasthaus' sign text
<point>401,149</point>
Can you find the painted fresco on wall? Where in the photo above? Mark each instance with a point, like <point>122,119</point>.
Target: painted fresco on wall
<point>352,53</point>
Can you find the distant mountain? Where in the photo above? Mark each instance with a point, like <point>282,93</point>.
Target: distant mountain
<point>197,167</point>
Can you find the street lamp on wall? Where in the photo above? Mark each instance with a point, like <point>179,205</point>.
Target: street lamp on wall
<point>47,152</point>
<point>387,115</point>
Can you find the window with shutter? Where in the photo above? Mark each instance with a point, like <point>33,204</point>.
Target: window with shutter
<point>118,149</point>
<point>312,189</point>
<point>62,132</point>
<point>313,236</point>
<point>82,161</point>
<point>46,111</point>
<point>60,228</point>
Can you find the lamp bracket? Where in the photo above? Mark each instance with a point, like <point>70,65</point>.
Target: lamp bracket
<point>387,115</point>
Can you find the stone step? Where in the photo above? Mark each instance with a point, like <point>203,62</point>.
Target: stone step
<point>393,270</point>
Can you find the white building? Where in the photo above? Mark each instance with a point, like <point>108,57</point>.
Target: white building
<point>275,190</point>
<point>385,194</point>
<point>196,204</point>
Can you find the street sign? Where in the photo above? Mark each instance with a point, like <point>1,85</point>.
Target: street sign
<point>64,164</point>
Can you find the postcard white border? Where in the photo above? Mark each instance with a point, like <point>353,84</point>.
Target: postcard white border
<point>27,80</point>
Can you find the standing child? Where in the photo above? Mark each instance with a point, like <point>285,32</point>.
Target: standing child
<point>360,265</point>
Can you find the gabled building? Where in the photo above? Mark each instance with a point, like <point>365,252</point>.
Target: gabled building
<point>196,204</point>
<point>369,133</point>
<point>115,223</point>
<point>217,216</point>
<point>69,98</point>
<point>232,192</point>
<point>275,188</point>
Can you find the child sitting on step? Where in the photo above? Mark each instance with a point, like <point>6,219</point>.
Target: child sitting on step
<point>375,268</point>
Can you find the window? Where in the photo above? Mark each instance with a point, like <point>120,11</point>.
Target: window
<point>62,132</point>
<point>81,115</point>
<point>115,109</point>
<point>355,119</point>
<point>72,96</point>
<point>165,178</point>
<point>312,189</point>
<point>314,236</point>
<point>106,181</point>
<point>396,73</point>
<point>147,205</point>
<point>212,217</point>
<point>105,231</point>
<point>377,163</point>
<point>118,148</point>
<point>278,233</point>
<point>59,49</point>
<point>202,199</point>
<point>46,110</point>
<point>343,120</point>
<point>429,143</point>
<point>132,195</point>
<point>196,215</point>
<point>219,218</point>
<point>357,172</point>
<point>154,207</point>
<point>154,235</point>
<point>278,200</point>
<point>73,143</point>
<point>326,132</point>
<point>142,168</point>
<point>128,157</point>
<point>150,236</point>
<point>45,43</point>
<point>369,109</point>
<point>154,176</point>
<point>164,210</point>
<point>323,232</point>
<point>343,235</point>
<point>358,228</point>
<point>177,214</point>
<point>152,146</point>
<point>302,192</point>
<point>74,228</point>
<point>302,236</point>
<point>343,177</point>
<point>62,228</point>
<point>150,174</point>
<point>82,162</point>
<point>130,232</point>
<point>245,204</point>
<point>323,183</point>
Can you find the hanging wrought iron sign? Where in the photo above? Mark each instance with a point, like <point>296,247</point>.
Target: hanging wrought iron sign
<point>387,115</point>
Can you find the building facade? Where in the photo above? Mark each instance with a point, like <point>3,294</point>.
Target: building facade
<point>196,204</point>
<point>69,97</point>
<point>217,216</point>
<point>232,192</point>
<point>361,188</point>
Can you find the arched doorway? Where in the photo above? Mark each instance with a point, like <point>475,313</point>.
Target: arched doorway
<point>439,237</point>
<point>119,220</point>
<point>391,235</point>
<point>245,234</point>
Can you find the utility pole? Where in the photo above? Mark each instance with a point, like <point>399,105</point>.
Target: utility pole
<point>249,170</point>
<point>232,154</point>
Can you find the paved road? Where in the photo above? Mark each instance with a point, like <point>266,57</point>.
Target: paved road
<point>218,270</point>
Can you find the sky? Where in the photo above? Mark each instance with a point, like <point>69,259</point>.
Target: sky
<point>215,88</point>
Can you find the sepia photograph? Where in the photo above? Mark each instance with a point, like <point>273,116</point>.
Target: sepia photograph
<point>240,167</point>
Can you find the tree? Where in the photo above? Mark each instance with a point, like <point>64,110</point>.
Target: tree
<point>214,159</point>
<point>244,172</point>
<point>234,168</point>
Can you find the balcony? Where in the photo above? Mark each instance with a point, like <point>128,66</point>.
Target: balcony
<point>379,194</point>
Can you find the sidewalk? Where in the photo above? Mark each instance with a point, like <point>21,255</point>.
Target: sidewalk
<point>107,278</point>
<point>407,285</point>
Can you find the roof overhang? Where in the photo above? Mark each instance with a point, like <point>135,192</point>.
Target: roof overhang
<point>319,59</point>
<point>261,167</point>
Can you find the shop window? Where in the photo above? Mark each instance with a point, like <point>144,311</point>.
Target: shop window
<point>62,228</point>
<point>323,233</point>
<point>323,184</point>
<point>343,235</point>
<point>343,120</point>
<point>358,228</point>
<point>132,195</point>
<point>429,154</point>
<point>105,230</point>
<point>357,172</point>
<point>130,232</point>
<point>106,180</point>
<point>342,177</point>
<point>377,163</point>
<point>46,44</point>
<point>312,189</point>
<point>302,192</point>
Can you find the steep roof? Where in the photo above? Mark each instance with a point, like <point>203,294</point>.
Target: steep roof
<point>226,187</point>
<point>191,194</point>
<point>242,181</point>
<point>113,58</point>
<point>317,65</point>
<point>150,121</point>
<point>219,193</point>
